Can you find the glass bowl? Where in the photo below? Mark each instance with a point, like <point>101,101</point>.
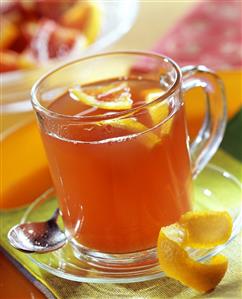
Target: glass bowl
<point>117,19</point>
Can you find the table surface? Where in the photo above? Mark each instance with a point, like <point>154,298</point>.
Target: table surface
<point>154,19</point>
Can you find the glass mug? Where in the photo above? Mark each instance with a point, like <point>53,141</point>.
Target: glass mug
<point>119,177</point>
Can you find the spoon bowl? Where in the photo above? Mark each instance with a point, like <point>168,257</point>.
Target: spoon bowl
<point>38,237</point>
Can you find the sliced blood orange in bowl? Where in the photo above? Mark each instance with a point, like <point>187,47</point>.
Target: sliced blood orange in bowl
<point>11,61</point>
<point>84,16</point>
<point>9,33</point>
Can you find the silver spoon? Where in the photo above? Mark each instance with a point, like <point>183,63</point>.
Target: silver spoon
<point>38,237</point>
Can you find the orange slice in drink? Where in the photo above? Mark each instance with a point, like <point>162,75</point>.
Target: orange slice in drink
<point>115,96</point>
<point>217,225</point>
<point>158,112</point>
<point>109,97</point>
<point>174,259</point>
<point>131,124</point>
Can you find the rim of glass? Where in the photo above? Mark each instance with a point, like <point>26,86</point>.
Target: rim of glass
<point>40,108</point>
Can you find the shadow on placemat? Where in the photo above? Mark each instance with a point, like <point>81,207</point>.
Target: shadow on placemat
<point>160,288</point>
<point>227,290</point>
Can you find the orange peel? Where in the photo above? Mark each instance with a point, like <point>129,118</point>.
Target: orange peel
<point>217,225</point>
<point>115,96</point>
<point>159,111</point>
<point>134,126</point>
<point>110,97</point>
<point>176,262</point>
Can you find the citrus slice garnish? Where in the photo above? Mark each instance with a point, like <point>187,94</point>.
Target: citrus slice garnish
<point>108,97</point>
<point>159,111</point>
<point>206,230</point>
<point>134,126</point>
<point>176,262</point>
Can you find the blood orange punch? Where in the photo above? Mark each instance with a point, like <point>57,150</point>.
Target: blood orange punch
<point>119,180</point>
<point>114,130</point>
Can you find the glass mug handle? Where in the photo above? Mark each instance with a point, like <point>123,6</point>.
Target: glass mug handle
<point>211,133</point>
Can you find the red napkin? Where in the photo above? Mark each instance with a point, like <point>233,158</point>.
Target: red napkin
<point>210,34</point>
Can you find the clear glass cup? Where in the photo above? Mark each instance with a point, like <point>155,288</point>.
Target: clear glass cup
<point>118,177</point>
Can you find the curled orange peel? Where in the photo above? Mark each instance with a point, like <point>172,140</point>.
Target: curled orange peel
<point>176,262</point>
<point>206,230</point>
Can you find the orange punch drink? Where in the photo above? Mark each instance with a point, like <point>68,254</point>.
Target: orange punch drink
<point>114,131</point>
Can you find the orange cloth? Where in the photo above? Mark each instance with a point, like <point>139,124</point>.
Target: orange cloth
<point>23,289</point>
<point>24,167</point>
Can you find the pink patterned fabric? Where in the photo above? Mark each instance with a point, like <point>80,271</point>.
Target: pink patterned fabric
<point>210,34</point>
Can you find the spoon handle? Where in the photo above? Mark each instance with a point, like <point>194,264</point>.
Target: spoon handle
<point>55,215</point>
